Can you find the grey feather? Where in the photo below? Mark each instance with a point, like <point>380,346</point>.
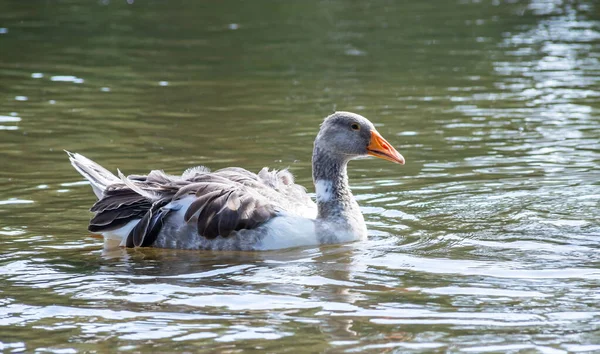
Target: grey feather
<point>98,176</point>
<point>139,231</point>
<point>199,204</point>
<point>226,201</point>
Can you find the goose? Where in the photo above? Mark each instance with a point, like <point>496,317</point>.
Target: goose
<point>235,209</point>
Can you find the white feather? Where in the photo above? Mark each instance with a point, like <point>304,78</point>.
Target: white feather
<point>119,235</point>
<point>288,231</point>
<point>98,176</point>
<point>323,190</point>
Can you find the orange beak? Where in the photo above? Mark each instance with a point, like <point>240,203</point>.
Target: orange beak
<point>379,147</point>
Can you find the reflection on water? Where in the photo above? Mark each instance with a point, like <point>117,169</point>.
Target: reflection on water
<point>486,241</point>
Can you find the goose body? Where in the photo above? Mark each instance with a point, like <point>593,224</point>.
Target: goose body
<point>235,209</point>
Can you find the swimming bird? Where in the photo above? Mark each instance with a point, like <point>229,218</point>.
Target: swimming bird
<point>235,209</point>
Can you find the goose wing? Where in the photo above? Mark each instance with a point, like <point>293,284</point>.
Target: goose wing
<point>218,203</point>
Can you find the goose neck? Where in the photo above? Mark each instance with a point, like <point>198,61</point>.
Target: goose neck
<point>334,197</point>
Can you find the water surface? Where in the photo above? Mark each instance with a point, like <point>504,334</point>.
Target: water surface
<point>487,240</point>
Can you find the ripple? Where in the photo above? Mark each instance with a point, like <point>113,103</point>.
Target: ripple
<point>480,268</point>
<point>7,231</point>
<point>236,333</point>
<point>196,336</point>
<point>67,78</point>
<point>7,119</point>
<point>253,302</point>
<point>452,290</point>
<point>11,201</point>
<point>391,315</point>
<point>512,347</point>
<point>36,313</point>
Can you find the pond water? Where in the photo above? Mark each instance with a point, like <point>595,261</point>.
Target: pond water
<point>487,240</point>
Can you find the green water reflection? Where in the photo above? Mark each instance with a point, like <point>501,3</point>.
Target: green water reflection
<point>486,240</point>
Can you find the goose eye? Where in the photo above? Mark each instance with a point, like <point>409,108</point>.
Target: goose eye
<point>355,126</point>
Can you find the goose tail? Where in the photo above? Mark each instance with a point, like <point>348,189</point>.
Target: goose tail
<point>98,176</point>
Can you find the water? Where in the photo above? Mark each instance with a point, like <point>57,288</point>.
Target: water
<point>487,240</point>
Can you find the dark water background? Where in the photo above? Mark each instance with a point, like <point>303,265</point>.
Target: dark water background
<point>487,240</point>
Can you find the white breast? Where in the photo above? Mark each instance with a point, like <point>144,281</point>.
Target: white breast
<point>288,231</point>
<point>323,189</point>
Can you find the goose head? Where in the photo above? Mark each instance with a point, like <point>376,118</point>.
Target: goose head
<point>349,136</point>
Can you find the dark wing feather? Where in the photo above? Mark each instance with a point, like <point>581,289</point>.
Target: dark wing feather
<point>227,200</point>
<point>115,224</point>
<point>111,219</point>
<point>107,217</point>
<point>233,211</point>
<point>208,219</point>
<point>115,198</point>
<point>156,224</point>
<point>200,203</point>
<point>118,206</point>
<point>146,229</point>
<point>139,231</point>
<point>229,216</point>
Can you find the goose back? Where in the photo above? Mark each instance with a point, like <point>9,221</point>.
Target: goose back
<point>217,203</point>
